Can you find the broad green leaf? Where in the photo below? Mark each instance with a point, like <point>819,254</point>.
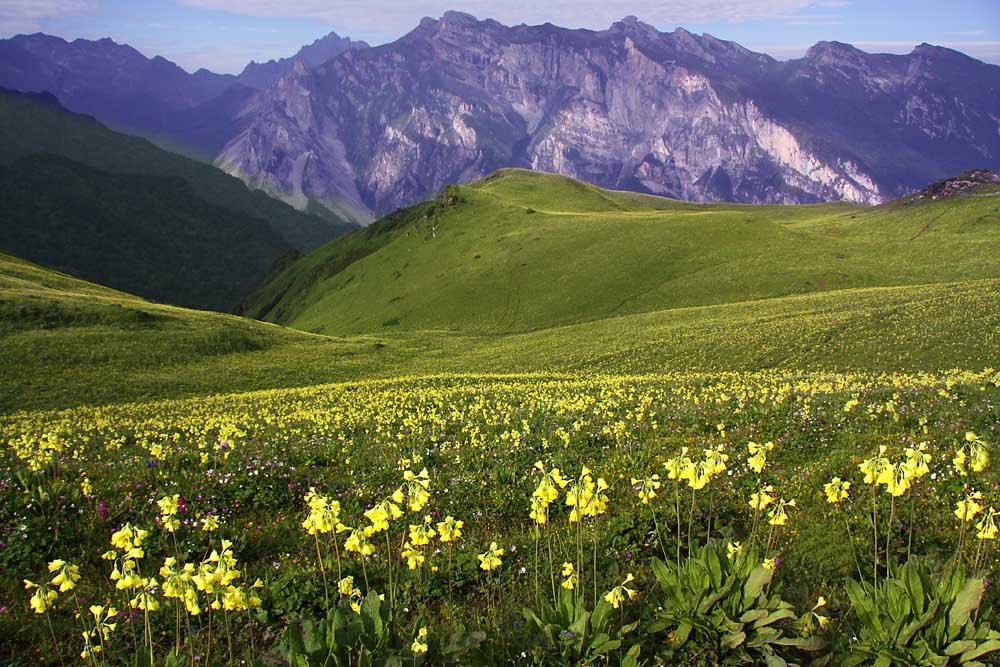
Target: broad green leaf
<point>733,639</point>
<point>981,650</point>
<point>758,579</point>
<point>960,646</point>
<point>966,602</point>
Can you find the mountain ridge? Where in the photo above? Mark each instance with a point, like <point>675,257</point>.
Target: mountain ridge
<point>627,107</point>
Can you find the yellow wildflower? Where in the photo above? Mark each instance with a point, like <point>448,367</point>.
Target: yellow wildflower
<point>987,526</point>
<point>450,529</point>
<point>966,509</point>
<point>491,558</point>
<point>836,490</point>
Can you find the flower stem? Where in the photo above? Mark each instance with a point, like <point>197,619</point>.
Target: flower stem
<point>322,569</point>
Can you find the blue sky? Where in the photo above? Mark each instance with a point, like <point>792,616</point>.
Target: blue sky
<point>223,35</point>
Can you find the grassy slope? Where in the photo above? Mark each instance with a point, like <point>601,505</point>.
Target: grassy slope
<point>524,251</point>
<point>65,342</point>
<point>146,235</point>
<point>32,124</point>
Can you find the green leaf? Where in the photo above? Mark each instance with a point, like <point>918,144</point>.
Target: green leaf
<point>714,566</point>
<point>864,607</point>
<point>631,658</point>
<point>981,650</point>
<point>774,617</point>
<point>915,626</point>
<point>662,573</point>
<point>966,602</point>
<point>682,633</point>
<point>858,656</point>
<point>813,643</point>
<point>753,615</point>
<point>758,579</point>
<point>600,617</point>
<point>733,639</point>
<point>960,646</point>
<point>915,588</point>
<point>659,625</point>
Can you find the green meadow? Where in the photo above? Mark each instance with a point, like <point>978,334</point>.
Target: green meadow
<point>642,412</point>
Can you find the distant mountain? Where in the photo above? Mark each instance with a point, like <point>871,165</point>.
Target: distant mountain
<point>630,107</point>
<point>111,81</point>
<point>148,235</point>
<point>261,75</point>
<point>32,124</point>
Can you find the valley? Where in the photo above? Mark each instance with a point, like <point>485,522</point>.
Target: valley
<point>497,344</point>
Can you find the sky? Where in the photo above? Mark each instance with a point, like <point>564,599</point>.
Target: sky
<point>224,35</point>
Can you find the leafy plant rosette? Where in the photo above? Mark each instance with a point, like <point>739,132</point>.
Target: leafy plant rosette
<point>567,633</point>
<point>921,617</point>
<point>716,608</point>
<point>363,635</point>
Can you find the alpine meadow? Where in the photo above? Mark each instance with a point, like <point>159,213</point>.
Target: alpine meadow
<point>497,344</point>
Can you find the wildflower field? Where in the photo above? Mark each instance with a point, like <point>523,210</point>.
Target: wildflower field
<point>724,518</point>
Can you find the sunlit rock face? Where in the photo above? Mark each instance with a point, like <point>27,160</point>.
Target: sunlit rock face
<point>629,107</point>
<point>371,129</point>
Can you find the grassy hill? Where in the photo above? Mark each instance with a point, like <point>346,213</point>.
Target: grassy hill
<point>148,235</point>
<point>524,251</point>
<point>65,342</point>
<point>31,124</point>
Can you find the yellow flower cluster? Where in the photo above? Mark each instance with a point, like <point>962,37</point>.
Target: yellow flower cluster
<point>44,596</point>
<point>646,488</point>
<point>778,516</point>
<point>586,497</point>
<point>491,559</point>
<point>169,507</point>
<point>987,526</point>
<point>758,455</point>
<point>419,644</point>
<point>836,490</point>
<point>569,576</point>
<point>967,508</point>
<point>545,493</point>
<point>897,477</point>
<point>972,455</point>
<point>450,530</point>
<point>324,514</point>
<point>698,473</point>
<point>619,593</point>
<point>103,626</point>
<point>761,499</point>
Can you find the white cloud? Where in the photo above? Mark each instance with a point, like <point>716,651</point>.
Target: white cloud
<point>394,17</point>
<point>24,16</point>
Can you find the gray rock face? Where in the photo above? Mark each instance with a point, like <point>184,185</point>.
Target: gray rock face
<point>629,107</point>
<point>261,75</point>
<point>694,117</point>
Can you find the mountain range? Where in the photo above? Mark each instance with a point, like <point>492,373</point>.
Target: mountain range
<point>357,131</point>
<point>116,209</point>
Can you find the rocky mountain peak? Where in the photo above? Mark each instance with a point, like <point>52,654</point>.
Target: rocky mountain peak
<point>834,53</point>
<point>457,18</point>
<point>959,185</point>
<point>683,115</point>
<point>331,45</point>
<point>631,25</point>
